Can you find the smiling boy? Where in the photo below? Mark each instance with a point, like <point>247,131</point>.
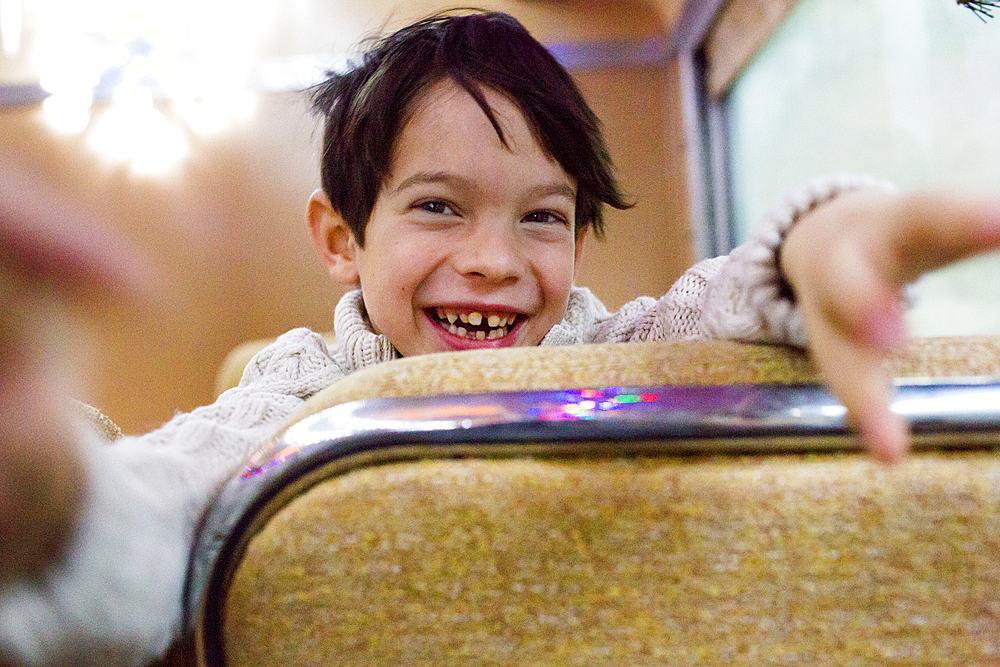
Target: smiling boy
<point>471,243</point>
<point>458,194</point>
<point>461,173</point>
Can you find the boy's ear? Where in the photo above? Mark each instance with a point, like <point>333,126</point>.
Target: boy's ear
<point>333,240</point>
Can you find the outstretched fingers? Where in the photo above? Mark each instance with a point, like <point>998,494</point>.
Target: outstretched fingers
<point>856,375</point>
<point>929,231</point>
<point>848,262</point>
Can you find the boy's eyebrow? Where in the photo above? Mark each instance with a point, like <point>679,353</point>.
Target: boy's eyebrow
<point>560,189</point>
<point>423,177</point>
<point>448,178</point>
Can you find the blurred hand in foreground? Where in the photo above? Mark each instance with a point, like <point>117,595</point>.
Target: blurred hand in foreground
<point>52,257</point>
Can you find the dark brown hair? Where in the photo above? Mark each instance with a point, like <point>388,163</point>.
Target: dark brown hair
<point>366,107</point>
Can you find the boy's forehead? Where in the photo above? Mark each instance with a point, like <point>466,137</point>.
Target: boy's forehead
<point>446,95</point>
<point>446,112</point>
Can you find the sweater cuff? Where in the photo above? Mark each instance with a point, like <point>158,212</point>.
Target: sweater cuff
<point>749,300</point>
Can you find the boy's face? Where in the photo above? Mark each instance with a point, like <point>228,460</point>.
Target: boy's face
<point>471,244</point>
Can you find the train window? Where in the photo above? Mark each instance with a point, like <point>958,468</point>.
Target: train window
<point>902,89</point>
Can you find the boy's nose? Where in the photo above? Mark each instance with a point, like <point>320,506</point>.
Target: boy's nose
<point>491,253</point>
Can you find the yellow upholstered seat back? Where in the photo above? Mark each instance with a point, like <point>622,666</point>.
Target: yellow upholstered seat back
<point>813,558</point>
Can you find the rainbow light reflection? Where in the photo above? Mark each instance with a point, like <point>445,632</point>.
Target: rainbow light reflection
<point>587,403</point>
<point>466,411</point>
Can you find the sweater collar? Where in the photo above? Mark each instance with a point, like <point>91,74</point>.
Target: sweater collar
<point>360,345</point>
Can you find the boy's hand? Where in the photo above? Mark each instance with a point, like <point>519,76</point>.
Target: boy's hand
<point>50,256</point>
<point>848,262</point>
<point>41,478</point>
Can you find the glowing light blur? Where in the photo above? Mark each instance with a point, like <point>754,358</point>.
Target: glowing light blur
<point>68,112</point>
<point>214,112</point>
<point>10,27</point>
<point>138,56</point>
<point>133,130</point>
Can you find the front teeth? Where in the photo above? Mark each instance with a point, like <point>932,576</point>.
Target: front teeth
<point>497,324</point>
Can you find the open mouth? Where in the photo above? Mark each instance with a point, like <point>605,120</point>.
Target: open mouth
<point>475,325</point>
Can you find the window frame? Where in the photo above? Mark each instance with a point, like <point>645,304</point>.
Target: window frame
<point>713,42</point>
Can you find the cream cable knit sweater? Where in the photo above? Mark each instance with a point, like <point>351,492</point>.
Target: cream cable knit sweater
<point>116,598</point>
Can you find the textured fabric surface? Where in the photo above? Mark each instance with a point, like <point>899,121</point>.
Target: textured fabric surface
<point>822,559</point>
<point>231,369</point>
<point>812,561</point>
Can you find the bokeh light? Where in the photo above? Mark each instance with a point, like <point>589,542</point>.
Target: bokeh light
<point>113,67</point>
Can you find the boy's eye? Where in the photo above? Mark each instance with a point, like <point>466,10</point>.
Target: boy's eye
<point>545,217</point>
<point>435,206</point>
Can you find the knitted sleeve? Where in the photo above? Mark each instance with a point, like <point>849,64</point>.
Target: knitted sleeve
<point>749,299</point>
<point>674,316</point>
<point>116,596</point>
<point>740,297</point>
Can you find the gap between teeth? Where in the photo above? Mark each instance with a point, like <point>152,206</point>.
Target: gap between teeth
<point>476,318</point>
<point>462,332</point>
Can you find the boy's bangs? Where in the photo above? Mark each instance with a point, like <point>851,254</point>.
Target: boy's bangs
<point>367,107</point>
